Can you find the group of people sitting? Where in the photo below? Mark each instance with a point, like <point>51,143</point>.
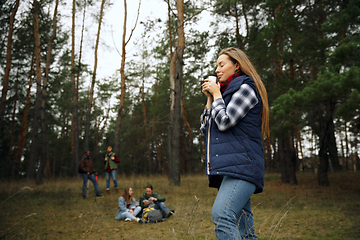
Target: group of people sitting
<point>129,210</point>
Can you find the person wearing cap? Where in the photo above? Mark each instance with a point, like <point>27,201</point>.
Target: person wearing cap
<point>88,170</point>
<point>111,160</point>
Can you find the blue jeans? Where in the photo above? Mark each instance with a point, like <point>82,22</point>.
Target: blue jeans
<point>113,175</point>
<point>129,215</point>
<point>92,178</point>
<point>231,211</point>
<point>162,206</point>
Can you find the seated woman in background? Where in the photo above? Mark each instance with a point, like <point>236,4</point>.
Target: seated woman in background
<point>127,207</point>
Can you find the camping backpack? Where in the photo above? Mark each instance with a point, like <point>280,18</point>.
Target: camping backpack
<point>80,169</point>
<point>152,215</point>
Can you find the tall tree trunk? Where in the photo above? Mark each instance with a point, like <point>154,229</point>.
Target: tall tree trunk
<point>43,103</point>
<point>23,131</point>
<point>346,147</point>
<point>100,134</point>
<point>176,94</point>
<point>332,148</point>
<point>8,159</point>
<point>153,142</point>
<point>74,124</point>
<point>88,113</point>
<point>145,123</point>
<point>267,153</point>
<point>323,179</point>
<point>326,126</point>
<point>8,64</point>
<point>122,92</point>
<point>79,68</point>
<point>189,146</point>
<point>287,160</point>
<point>34,134</point>
<point>122,76</point>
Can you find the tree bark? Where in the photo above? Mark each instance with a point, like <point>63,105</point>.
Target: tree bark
<point>8,64</point>
<point>8,159</point>
<point>287,160</point>
<point>88,113</point>
<point>346,146</point>
<point>332,148</point>
<point>176,94</point>
<point>323,179</point>
<point>43,103</point>
<point>75,125</point>
<point>145,123</point>
<point>189,146</point>
<point>37,109</point>
<point>122,76</point>
<point>79,68</point>
<point>23,131</point>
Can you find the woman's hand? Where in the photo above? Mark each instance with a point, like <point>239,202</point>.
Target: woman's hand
<point>132,212</point>
<point>211,88</point>
<point>205,89</point>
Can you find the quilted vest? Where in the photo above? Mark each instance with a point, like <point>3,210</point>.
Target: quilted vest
<point>238,151</point>
<point>113,164</point>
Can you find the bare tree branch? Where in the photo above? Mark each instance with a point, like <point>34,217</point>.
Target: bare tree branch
<point>132,30</point>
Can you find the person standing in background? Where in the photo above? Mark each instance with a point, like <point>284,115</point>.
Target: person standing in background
<point>88,172</point>
<point>111,160</point>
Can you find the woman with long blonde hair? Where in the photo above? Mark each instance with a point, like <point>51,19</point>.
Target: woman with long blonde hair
<point>234,121</point>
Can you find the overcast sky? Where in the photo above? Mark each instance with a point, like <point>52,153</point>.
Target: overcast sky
<point>112,29</point>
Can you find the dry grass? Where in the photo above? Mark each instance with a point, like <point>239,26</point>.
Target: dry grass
<point>56,210</point>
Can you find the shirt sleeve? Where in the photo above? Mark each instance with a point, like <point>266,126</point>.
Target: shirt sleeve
<point>240,104</point>
<point>159,197</point>
<point>204,118</point>
<point>122,205</point>
<point>116,158</point>
<point>133,203</point>
<point>141,201</point>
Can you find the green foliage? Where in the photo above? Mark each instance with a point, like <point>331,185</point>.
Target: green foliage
<point>307,54</point>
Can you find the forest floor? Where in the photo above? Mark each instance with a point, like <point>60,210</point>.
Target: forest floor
<point>56,209</point>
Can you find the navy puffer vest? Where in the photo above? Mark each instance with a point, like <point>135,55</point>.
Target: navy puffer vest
<point>238,151</point>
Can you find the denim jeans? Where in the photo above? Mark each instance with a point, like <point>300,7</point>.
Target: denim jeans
<point>129,215</point>
<point>92,178</point>
<point>113,175</point>
<point>162,206</point>
<point>231,211</point>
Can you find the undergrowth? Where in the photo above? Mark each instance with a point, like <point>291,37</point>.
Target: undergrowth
<point>56,209</point>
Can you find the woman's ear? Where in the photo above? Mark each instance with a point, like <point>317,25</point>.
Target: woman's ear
<point>237,67</point>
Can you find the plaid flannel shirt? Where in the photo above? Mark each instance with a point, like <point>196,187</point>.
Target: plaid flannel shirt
<point>228,116</point>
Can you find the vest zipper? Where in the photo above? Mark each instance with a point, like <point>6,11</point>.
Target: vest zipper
<point>208,150</point>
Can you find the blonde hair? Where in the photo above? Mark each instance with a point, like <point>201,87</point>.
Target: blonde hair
<point>239,57</point>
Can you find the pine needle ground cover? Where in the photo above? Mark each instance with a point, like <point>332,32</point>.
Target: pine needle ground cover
<point>56,209</point>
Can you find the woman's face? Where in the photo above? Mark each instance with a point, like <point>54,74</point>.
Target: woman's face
<point>224,67</point>
<point>130,191</point>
